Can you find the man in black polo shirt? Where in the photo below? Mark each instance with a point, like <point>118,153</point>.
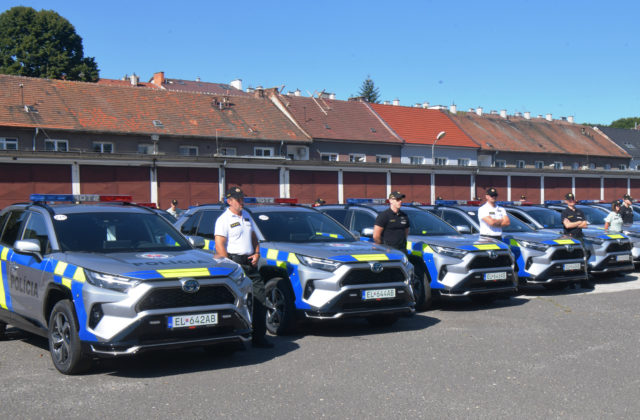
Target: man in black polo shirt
<point>574,221</point>
<point>391,227</point>
<point>626,210</point>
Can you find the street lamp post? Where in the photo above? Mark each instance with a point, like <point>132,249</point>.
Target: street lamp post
<point>433,146</point>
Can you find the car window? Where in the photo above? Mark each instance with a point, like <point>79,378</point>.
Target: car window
<point>190,226</point>
<point>12,228</point>
<point>456,219</point>
<point>426,224</point>
<point>362,220</point>
<point>36,228</point>
<point>299,226</point>
<point>594,215</point>
<point>206,227</point>
<point>549,219</point>
<point>339,214</point>
<point>516,225</point>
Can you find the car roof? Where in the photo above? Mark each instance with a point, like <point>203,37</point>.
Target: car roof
<point>69,208</point>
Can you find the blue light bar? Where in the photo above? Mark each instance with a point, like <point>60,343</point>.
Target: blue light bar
<point>451,202</point>
<point>366,201</point>
<point>589,202</point>
<point>79,198</point>
<point>552,201</point>
<point>505,203</point>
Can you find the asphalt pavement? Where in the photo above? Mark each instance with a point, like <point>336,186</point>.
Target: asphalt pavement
<point>542,354</point>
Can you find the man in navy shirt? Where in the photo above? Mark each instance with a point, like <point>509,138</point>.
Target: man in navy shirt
<point>391,227</point>
<point>574,221</point>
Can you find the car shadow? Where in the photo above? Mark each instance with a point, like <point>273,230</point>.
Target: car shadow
<point>463,304</point>
<point>353,327</point>
<point>613,278</point>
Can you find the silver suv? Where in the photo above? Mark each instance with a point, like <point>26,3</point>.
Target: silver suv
<point>111,279</point>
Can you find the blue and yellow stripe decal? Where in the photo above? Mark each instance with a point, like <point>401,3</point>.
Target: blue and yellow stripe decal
<point>329,235</point>
<point>482,247</point>
<point>174,273</point>
<point>366,257</point>
<point>72,277</point>
<point>613,236</point>
<point>289,262</point>
<point>424,251</point>
<point>565,241</point>
<point>5,296</point>
<point>209,245</point>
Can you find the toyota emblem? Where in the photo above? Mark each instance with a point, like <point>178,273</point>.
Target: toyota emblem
<point>569,248</point>
<point>190,285</point>
<point>492,254</point>
<point>376,267</point>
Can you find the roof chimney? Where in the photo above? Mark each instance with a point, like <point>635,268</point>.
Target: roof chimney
<point>134,79</point>
<point>453,109</point>
<point>548,117</point>
<point>425,104</point>
<point>527,115</point>
<point>332,96</point>
<point>570,119</point>
<point>503,113</point>
<point>237,84</point>
<point>479,111</point>
<point>418,105</point>
<point>396,102</point>
<point>158,78</point>
<point>198,79</point>
<point>386,103</point>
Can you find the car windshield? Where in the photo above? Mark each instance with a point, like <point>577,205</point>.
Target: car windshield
<point>549,219</point>
<point>299,226</point>
<point>516,224</point>
<point>594,215</point>
<point>426,224</point>
<point>116,232</point>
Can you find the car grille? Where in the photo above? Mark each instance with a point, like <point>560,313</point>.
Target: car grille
<point>619,247</point>
<point>366,276</point>
<point>503,260</point>
<point>564,254</point>
<point>175,297</point>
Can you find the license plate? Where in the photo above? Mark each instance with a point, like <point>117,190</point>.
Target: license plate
<point>496,276</point>
<point>196,320</point>
<point>378,294</point>
<point>626,257</point>
<point>572,266</point>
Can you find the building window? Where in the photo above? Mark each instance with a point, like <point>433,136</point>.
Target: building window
<point>146,149</point>
<point>637,167</point>
<point>464,162</point>
<point>100,147</point>
<point>228,151</point>
<point>56,145</point>
<point>8,144</point>
<point>383,159</point>
<point>416,160</point>
<point>622,167</point>
<point>575,165</point>
<point>557,165</point>
<point>592,166</point>
<point>329,157</point>
<point>501,164</point>
<point>357,157</point>
<point>520,164</point>
<point>539,164</point>
<point>440,161</point>
<point>607,166</point>
<point>263,151</point>
<point>188,150</point>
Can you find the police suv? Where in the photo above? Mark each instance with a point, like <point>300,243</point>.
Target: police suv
<point>110,279</point>
<point>547,258</point>
<point>445,261</point>
<point>313,267</point>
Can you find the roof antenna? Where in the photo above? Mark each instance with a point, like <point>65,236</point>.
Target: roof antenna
<point>22,93</point>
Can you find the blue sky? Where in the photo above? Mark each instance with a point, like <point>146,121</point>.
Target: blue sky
<point>577,58</point>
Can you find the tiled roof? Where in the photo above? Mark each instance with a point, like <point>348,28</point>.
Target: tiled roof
<point>629,140</point>
<point>517,134</point>
<point>179,85</point>
<point>421,126</point>
<point>118,82</point>
<point>338,120</point>
<point>80,106</point>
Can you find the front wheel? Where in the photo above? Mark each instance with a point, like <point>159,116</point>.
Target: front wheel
<point>64,343</point>
<point>422,294</point>
<point>280,305</point>
<point>3,330</point>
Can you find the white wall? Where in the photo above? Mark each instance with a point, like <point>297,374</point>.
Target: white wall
<point>451,153</point>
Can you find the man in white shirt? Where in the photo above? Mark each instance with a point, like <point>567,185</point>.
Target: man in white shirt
<point>173,210</point>
<point>491,216</point>
<point>236,239</point>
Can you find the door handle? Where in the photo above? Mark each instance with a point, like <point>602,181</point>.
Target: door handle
<point>14,267</point>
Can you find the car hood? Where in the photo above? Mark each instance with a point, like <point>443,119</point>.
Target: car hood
<point>466,242</point>
<point>338,251</point>
<point>551,237</point>
<point>153,265</point>
<point>589,233</point>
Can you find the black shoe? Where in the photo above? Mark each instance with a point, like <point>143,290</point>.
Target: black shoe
<point>262,343</point>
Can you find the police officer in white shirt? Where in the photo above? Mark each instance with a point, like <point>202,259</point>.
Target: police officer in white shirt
<point>236,239</point>
<point>492,217</point>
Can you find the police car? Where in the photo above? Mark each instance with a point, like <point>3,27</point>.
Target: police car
<point>445,261</point>
<point>545,258</point>
<point>110,279</point>
<point>313,267</point>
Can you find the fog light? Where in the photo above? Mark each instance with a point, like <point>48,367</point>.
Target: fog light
<point>443,272</point>
<point>95,315</point>
<point>308,289</point>
<point>528,264</point>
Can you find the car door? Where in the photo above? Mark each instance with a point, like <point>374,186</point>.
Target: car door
<point>12,290</point>
<point>206,228</point>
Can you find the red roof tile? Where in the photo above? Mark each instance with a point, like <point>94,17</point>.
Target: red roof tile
<point>103,108</point>
<point>421,126</point>
<point>338,120</point>
<point>118,82</point>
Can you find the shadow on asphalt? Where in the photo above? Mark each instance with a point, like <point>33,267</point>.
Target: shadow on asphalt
<point>462,304</point>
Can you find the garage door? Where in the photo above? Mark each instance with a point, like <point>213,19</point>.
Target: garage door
<point>527,186</point>
<point>18,181</point>
<point>483,182</point>
<point>254,182</point>
<point>308,186</point>
<point>190,186</point>
<point>125,180</point>
<point>588,188</point>
<point>614,188</point>
<point>417,187</point>
<point>364,185</point>
<point>555,188</point>
<point>453,187</point>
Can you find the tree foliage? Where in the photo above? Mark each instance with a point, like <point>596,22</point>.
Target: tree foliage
<point>369,91</point>
<point>42,44</point>
<point>631,122</point>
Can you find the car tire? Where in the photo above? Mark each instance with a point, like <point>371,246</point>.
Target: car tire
<point>3,331</point>
<point>421,284</point>
<point>279,302</point>
<point>64,342</point>
<point>382,320</point>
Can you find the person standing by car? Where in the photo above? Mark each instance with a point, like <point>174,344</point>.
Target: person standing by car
<point>173,210</point>
<point>235,236</point>
<point>613,221</point>
<point>626,210</point>
<point>574,220</point>
<point>391,227</point>
<point>492,217</point>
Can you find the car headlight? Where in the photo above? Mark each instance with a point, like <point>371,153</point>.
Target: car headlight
<point>109,281</point>
<point>319,263</point>
<point>238,276</point>
<point>534,245</point>
<point>450,252</point>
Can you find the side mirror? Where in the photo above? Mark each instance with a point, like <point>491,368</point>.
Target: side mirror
<point>367,232</point>
<point>356,234</point>
<point>29,247</point>
<point>463,229</point>
<point>196,241</point>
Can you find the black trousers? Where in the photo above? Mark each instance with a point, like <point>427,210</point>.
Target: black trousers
<point>259,295</point>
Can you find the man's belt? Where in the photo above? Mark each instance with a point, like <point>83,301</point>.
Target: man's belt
<point>240,259</point>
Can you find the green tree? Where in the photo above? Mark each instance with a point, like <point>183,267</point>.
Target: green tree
<point>631,122</point>
<point>42,44</point>
<point>369,91</point>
